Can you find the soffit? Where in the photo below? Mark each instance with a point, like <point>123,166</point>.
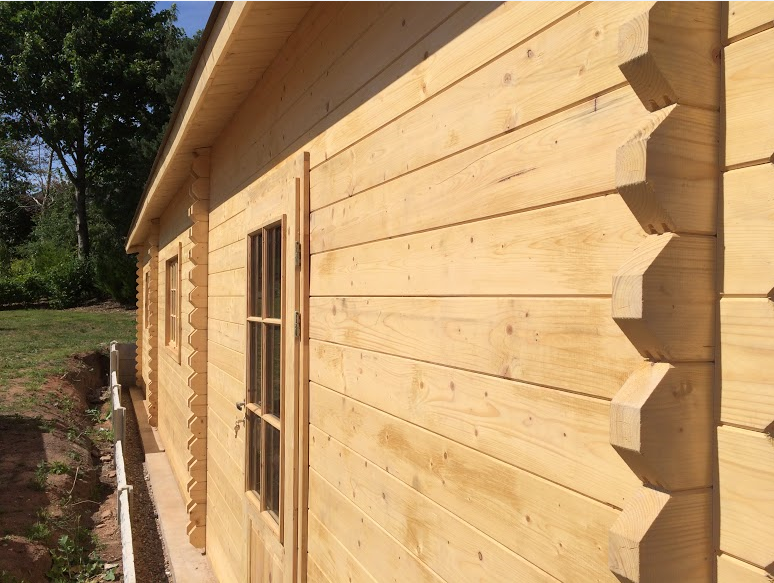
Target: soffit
<point>244,40</point>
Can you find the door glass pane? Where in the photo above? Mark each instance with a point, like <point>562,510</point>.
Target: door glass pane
<point>274,272</point>
<point>274,364</point>
<point>272,471</point>
<point>256,266</point>
<point>254,382</point>
<point>254,452</point>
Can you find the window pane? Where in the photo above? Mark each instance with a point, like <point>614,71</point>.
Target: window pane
<point>274,364</point>
<point>254,452</point>
<point>274,272</point>
<point>272,471</point>
<point>254,382</point>
<point>256,267</point>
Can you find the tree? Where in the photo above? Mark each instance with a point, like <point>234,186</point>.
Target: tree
<point>87,78</point>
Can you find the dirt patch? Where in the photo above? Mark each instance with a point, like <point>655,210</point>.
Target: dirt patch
<point>57,481</point>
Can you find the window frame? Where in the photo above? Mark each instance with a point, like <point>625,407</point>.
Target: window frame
<point>173,329</point>
<point>260,411</point>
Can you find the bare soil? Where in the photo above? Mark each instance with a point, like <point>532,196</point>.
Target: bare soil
<point>57,478</point>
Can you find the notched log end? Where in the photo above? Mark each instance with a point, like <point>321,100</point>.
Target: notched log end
<point>668,54</point>
<point>661,424</point>
<point>662,537</point>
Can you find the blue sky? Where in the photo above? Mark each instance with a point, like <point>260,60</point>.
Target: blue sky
<point>191,16</point>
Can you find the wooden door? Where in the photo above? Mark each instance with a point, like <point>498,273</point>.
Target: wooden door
<point>272,329</point>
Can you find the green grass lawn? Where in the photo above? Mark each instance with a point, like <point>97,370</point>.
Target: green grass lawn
<point>35,344</point>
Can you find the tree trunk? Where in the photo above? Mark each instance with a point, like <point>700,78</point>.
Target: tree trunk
<point>81,226</point>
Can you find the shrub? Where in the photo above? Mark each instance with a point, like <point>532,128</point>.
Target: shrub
<point>69,283</point>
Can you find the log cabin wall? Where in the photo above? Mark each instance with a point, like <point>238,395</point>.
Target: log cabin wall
<point>502,196</point>
<point>745,451</point>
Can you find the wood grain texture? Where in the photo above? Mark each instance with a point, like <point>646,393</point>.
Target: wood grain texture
<point>468,39</point>
<point>749,84</point>
<point>513,90</point>
<point>667,171</point>
<point>661,423</point>
<point>664,298</point>
<point>330,556</point>
<point>732,570</point>
<point>664,537</point>
<point>746,18</point>
<point>570,249</point>
<point>747,349</point>
<point>567,155</point>
<point>372,547</point>
<point>536,519</point>
<point>559,436</point>
<point>671,54</point>
<point>567,343</point>
<point>746,475</point>
<point>455,550</point>
<point>748,222</point>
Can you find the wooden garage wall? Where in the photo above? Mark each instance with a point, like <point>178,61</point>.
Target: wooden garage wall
<point>471,210</point>
<point>745,449</point>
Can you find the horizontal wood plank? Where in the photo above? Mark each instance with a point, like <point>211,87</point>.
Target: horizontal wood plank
<point>746,475</point>
<point>336,562</point>
<point>745,18</point>
<point>749,85</point>
<point>747,351</point>
<point>570,249</point>
<point>469,38</point>
<point>516,89</point>
<point>560,436</point>
<point>567,343</point>
<point>565,156</point>
<point>378,552</point>
<point>534,518</point>
<point>447,544</point>
<point>749,230</point>
<point>732,570</point>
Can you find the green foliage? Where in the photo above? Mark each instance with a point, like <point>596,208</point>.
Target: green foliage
<point>73,560</point>
<point>69,283</point>
<point>96,82</point>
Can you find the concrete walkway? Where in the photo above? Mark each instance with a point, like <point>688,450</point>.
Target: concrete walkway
<point>187,563</point>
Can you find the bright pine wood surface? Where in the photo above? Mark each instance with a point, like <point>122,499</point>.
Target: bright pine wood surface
<point>745,18</point>
<point>551,433</point>
<point>447,544</point>
<point>746,475</point>
<point>748,222</point>
<point>571,249</point>
<point>747,348</point>
<point>534,518</point>
<point>515,89</point>
<point>749,85</point>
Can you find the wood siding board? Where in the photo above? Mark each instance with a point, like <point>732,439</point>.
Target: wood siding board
<point>749,84</point>
<point>748,210</point>
<point>745,18</point>
<point>747,349</point>
<point>732,570</point>
<point>745,477</point>
<point>508,93</point>
<point>534,518</point>
<point>524,169</point>
<point>559,342</point>
<point>372,547</point>
<point>445,543</point>
<point>570,249</point>
<point>560,436</point>
<point>331,557</point>
<point>472,36</point>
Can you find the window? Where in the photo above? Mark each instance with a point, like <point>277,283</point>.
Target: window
<point>173,302</point>
<point>265,365</point>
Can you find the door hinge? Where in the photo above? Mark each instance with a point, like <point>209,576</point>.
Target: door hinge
<point>298,254</point>
<point>298,325</point>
